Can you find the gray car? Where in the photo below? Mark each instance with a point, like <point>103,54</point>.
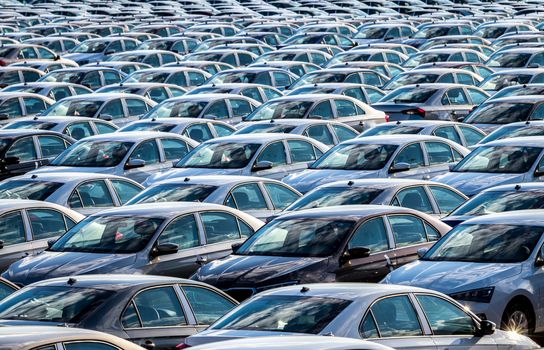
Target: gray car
<point>265,155</point>
<point>517,129</point>
<point>135,155</point>
<point>258,92</point>
<point>27,225</point>
<point>154,239</point>
<point>157,92</point>
<point>55,91</point>
<point>397,156</point>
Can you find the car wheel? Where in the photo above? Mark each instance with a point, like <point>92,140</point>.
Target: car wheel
<point>518,318</point>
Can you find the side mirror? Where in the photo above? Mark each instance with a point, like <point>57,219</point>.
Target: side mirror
<point>355,253</point>
<point>451,166</point>
<point>106,117</point>
<point>262,165</point>
<point>4,116</point>
<point>539,172</point>
<point>422,251</point>
<point>164,249</point>
<point>540,257</point>
<point>399,167</point>
<point>487,327</point>
<point>235,247</point>
<point>134,163</point>
<point>109,52</point>
<point>11,160</point>
<point>50,243</point>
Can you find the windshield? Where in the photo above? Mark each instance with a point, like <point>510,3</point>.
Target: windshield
<point>426,57</point>
<point>272,127</point>
<point>280,110</point>
<point>508,60</point>
<point>27,189</point>
<point>73,77</point>
<point>520,91</point>
<point>431,32</point>
<point>174,193</point>
<point>320,78</point>
<point>177,109</point>
<point>284,313</point>
<point>486,244</point>
<point>500,113</point>
<point>491,202</point>
<point>331,196</point>
<point>501,133</point>
<point>500,81</point>
<point>298,238</point>
<point>276,56</point>
<point>31,125</point>
<point>409,95</point>
<point>93,154</point>
<point>395,129</point>
<point>229,77</point>
<point>147,77</point>
<point>229,155</point>
<point>80,108</point>
<point>145,126</point>
<point>349,57</point>
<point>410,79</point>
<point>356,157</point>
<point>109,235</point>
<point>499,159</point>
<point>91,47</point>
<point>371,33</point>
<point>52,304</point>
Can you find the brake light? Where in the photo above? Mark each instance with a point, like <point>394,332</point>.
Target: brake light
<point>182,346</point>
<point>387,118</point>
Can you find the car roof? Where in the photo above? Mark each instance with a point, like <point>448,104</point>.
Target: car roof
<point>216,180</point>
<point>131,136</point>
<point>380,183</point>
<point>394,139</point>
<point>101,97</point>
<point>258,138</point>
<point>160,209</point>
<point>521,98</point>
<point>24,132</point>
<point>66,177</point>
<point>537,141</point>
<point>353,212</point>
<point>422,123</point>
<point>532,217</point>
<point>14,204</point>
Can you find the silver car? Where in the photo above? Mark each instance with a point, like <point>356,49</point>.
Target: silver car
<point>27,225</point>
<point>518,129</point>
<point>401,317</point>
<point>265,155</point>
<point>397,156</point>
<point>256,196</point>
<point>135,155</point>
<point>85,193</point>
<point>433,75</point>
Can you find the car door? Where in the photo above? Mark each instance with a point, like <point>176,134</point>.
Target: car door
<point>446,200</point>
<point>372,235</point>
<point>250,199</point>
<point>124,190</point>
<point>452,327</point>
<point>90,197</point>
<point>148,151</point>
<point>79,130</point>
<point>301,155</point>
<point>136,108</point>
<point>15,237</point>
<point>276,154</point>
<point>155,316</point>
<point>50,147</point>
<point>456,105</point>
<point>414,198</point>
<point>440,156</point>
<point>46,224</point>
<point>279,195</point>
<point>347,113</point>
<point>173,150</point>
<point>240,108</point>
<point>21,156</point>
<point>412,155</point>
<point>321,133</point>
<point>114,110</point>
<point>33,105</point>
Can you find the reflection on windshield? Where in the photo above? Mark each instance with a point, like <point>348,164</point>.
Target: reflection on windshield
<point>499,159</point>
<point>331,196</point>
<point>147,77</point>
<point>27,189</point>
<point>499,201</point>
<point>91,47</point>
<point>177,109</point>
<point>74,108</point>
<point>220,156</point>
<point>174,193</point>
<point>409,95</point>
<point>280,110</point>
<point>501,113</point>
<point>410,79</point>
<point>356,157</point>
<point>509,60</point>
<point>93,154</point>
<point>498,82</point>
<point>392,130</point>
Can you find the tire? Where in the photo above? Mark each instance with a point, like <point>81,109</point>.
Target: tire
<point>519,318</point>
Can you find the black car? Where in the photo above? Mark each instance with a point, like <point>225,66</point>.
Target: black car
<point>23,150</point>
<point>154,312</point>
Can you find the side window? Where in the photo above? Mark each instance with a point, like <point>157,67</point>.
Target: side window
<point>271,93</point>
<point>11,108</point>
<point>130,45</point>
<point>281,79</point>
<point>5,291</point>
<point>88,345</point>
<point>263,78</point>
<point>113,108</point>
<point>51,146</point>
<point>412,155</point>
<point>177,79</point>
<point>91,194</point>
<point>199,132</point>
<point>222,130</point>
<point>280,196</point>
<point>407,230</point>
<point>136,107</point>
<point>447,200</point>
<point>159,307</point>
<point>28,52</point>
<point>23,149</point>
<point>355,78</point>
<point>220,227</point>
<point>104,128</point>
<point>320,133</point>
<point>248,197</point>
<point>322,111</point>
<point>240,108</point>
<point>92,80</point>
<point>152,60</point>
<point>182,231</point>
<point>252,93</point>
<point>46,223</point>
<point>115,46</point>
<point>414,198</point>
<point>79,130</point>
<point>372,235</point>
<point>111,78</point>
<point>174,149</point>
<point>301,151</point>
<point>446,318</point>
<point>12,228</point>
<point>196,78</point>
<point>207,305</point>
<point>345,108</point>
<point>157,94</point>
<point>465,79</point>
<point>34,105</point>
<point>456,155</point>
<point>472,136</point>
<point>476,96</point>
<point>448,132</point>
<point>125,190</point>
<point>274,153</point>
<point>446,78</point>
<point>218,110</point>
<point>356,93</point>
<point>394,317</point>
<point>438,153</point>
<point>147,151</point>
<point>343,133</point>
<point>455,97</point>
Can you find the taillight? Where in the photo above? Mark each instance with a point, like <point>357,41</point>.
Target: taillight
<point>415,111</point>
<point>3,63</point>
<point>182,346</point>
<point>387,118</point>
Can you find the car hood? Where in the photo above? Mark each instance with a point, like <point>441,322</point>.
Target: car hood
<point>183,172</point>
<point>58,264</point>
<point>252,270</point>
<point>451,276</point>
<point>73,169</point>
<point>215,335</point>
<point>472,183</point>
<point>309,179</point>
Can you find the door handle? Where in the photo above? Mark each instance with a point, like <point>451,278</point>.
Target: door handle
<point>148,344</point>
<point>426,177</point>
<point>201,260</point>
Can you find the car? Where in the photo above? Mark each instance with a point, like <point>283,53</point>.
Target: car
<point>139,309</point>
<point>146,238</point>
<point>93,77</point>
<point>83,192</point>
<point>364,93</point>
<point>155,58</point>
<point>341,75</point>
<point>296,67</point>
<point>24,52</point>
<point>27,225</point>
<point>396,156</point>
<point>329,133</point>
<point>433,75</point>
<point>126,67</point>
<point>433,30</point>
<point>509,77</point>
<point>340,40</point>
<point>402,317</point>
<point>96,50</point>
<point>180,45</point>
<point>52,90</point>
<point>25,150</point>
<point>428,197</point>
<point>454,39</point>
<point>516,58</point>
<point>14,105</point>
<point>51,337</point>
<point>259,92</point>
<point>15,75</point>
<point>332,244</point>
<point>275,77</point>
<point>296,54</point>
<point>234,57</point>
<point>198,129</point>
<point>57,44</point>
<point>294,341</point>
<point>264,155</point>
<point>183,77</point>
<point>367,54</point>
<point>46,66</point>
<point>498,261</point>
<point>444,54</point>
<point>388,69</point>
<point>516,129</point>
<point>156,92</point>
<point>496,163</point>
<point>135,155</point>
<point>383,32</point>
<point>256,196</point>
<point>211,67</point>
<point>75,127</point>
<point>520,90</point>
<point>479,68</point>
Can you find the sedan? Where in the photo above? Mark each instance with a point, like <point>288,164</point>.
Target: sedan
<point>516,129</point>
<point>397,156</point>
<point>364,93</point>
<point>259,92</point>
<point>402,317</point>
<point>433,75</point>
<point>509,77</point>
<point>27,225</point>
<point>54,91</point>
<point>152,311</point>
<point>135,155</point>
<point>181,76</point>
<point>19,104</point>
<point>275,77</point>
<point>334,244</point>
<point>93,77</point>
<point>342,75</point>
<point>149,239</point>
<point>154,91</point>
